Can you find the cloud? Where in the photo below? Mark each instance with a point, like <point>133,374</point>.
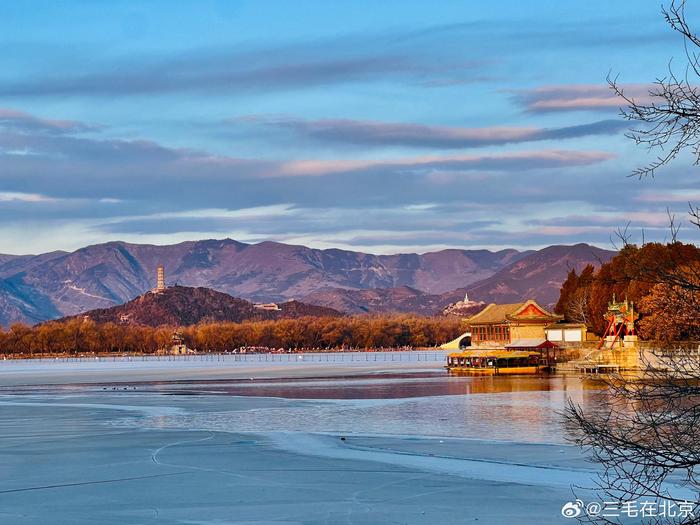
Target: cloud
<point>11,196</point>
<point>72,166</point>
<point>19,121</point>
<point>577,97</point>
<point>683,195</point>
<point>381,134</point>
<point>145,191</point>
<point>249,69</point>
<point>609,220</point>
<point>521,161</point>
<point>231,76</point>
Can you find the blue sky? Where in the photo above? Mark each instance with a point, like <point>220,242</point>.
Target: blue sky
<point>377,126</point>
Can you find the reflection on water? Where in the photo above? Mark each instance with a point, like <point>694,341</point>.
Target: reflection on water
<point>372,386</point>
<point>511,408</point>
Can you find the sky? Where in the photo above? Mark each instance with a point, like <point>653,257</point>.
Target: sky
<point>375,126</point>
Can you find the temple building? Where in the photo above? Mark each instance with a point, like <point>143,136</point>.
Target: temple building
<point>160,279</point>
<point>177,346</point>
<point>511,326</point>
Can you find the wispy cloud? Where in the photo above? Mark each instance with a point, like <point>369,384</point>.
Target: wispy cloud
<point>20,121</point>
<point>521,161</point>
<point>145,190</point>
<point>379,134</point>
<point>576,97</point>
<point>13,196</point>
<point>684,195</point>
<point>250,70</point>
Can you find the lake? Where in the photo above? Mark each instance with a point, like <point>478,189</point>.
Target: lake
<point>362,439</point>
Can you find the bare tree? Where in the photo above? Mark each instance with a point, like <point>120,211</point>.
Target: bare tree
<point>579,306</point>
<point>644,433</point>
<point>670,121</point>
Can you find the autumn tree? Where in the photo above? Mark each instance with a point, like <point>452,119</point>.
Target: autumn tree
<point>670,311</point>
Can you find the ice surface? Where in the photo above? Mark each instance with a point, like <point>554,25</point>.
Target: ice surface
<point>92,454</point>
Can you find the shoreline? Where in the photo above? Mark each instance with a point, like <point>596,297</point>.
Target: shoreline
<point>56,372</point>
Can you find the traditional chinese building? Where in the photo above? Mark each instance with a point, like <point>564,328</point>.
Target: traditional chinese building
<point>160,279</point>
<point>515,325</point>
<point>177,346</point>
<point>621,318</point>
<point>271,307</point>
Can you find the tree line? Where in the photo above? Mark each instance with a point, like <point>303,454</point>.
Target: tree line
<point>663,280</point>
<point>83,336</point>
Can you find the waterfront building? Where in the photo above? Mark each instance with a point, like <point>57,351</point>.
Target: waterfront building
<point>514,325</point>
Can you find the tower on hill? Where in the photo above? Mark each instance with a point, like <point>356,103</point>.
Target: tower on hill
<point>160,283</point>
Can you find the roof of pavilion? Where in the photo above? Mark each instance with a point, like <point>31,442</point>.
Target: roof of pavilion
<point>502,313</point>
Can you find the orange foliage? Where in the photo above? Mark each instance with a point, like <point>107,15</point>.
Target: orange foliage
<point>640,274</point>
<point>78,336</point>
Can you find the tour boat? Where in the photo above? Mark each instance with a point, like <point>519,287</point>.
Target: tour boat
<point>495,362</point>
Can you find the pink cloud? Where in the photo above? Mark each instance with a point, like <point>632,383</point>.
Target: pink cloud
<point>511,161</point>
<point>578,97</point>
<point>685,195</point>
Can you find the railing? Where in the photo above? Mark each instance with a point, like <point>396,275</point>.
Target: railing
<point>309,357</point>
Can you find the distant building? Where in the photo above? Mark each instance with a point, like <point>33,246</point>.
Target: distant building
<point>160,279</point>
<point>274,307</point>
<point>177,346</point>
<point>515,325</point>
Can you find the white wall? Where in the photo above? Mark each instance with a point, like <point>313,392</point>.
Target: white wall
<point>572,334</point>
<point>554,335</point>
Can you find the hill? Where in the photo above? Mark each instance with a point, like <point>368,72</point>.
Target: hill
<point>183,306</point>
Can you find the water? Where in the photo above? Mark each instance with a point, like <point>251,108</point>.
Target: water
<point>426,403</point>
<point>349,443</point>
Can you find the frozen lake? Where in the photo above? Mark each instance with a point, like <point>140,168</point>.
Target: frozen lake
<point>358,440</point>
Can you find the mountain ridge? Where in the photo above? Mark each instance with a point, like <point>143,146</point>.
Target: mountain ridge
<point>34,288</point>
<point>538,275</point>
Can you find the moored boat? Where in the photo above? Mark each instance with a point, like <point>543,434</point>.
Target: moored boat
<point>495,362</point>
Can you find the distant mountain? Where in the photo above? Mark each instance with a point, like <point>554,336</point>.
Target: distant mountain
<point>403,299</point>
<point>51,285</point>
<point>537,275</point>
<point>182,306</point>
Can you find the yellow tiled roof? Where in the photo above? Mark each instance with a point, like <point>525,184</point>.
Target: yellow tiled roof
<point>495,313</point>
<point>500,313</point>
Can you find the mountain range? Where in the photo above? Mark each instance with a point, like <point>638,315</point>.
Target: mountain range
<point>35,288</point>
